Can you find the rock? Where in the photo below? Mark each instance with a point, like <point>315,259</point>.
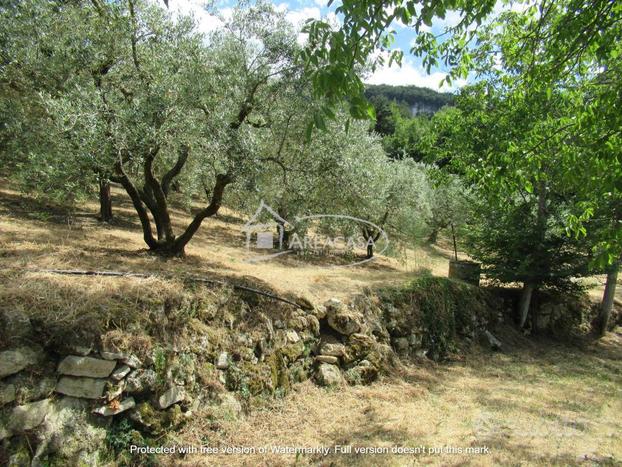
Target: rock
<point>81,350</point>
<point>7,393</point>
<point>334,349</point>
<point>230,406</point>
<point>415,341</point>
<point>140,381</point>
<point>89,388</point>
<point>401,345</point>
<point>366,371</point>
<point>113,355</point>
<point>21,455</point>
<point>495,344</point>
<point>170,397</point>
<point>73,403</point>
<point>31,389</point>
<point>327,359</point>
<point>328,375</point>
<point>223,361</point>
<point>14,325</point>
<point>292,336</point>
<point>313,324</point>
<point>119,373</point>
<point>115,408</point>
<point>320,311</point>
<point>343,320</point>
<point>293,351</point>
<point>86,366</point>
<point>13,361</point>
<point>133,362</point>
<point>360,344</point>
<point>29,416</point>
<point>333,304</point>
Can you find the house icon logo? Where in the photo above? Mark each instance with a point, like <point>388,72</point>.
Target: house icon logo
<point>264,233</point>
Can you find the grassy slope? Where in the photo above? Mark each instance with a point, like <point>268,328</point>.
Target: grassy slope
<point>541,403</point>
<point>538,404</point>
<point>34,235</point>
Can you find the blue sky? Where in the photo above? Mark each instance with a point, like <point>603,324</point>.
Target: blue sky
<point>298,11</point>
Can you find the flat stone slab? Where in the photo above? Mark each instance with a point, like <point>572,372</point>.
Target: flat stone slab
<point>29,416</point>
<point>120,372</point>
<point>112,355</point>
<point>170,397</point>
<point>327,359</point>
<point>86,366</point>
<point>114,409</point>
<point>89,388</point>
<point>13,361</point>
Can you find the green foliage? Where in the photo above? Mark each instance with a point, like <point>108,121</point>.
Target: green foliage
<point>445,310</point>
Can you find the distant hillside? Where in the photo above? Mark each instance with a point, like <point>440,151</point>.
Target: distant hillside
<point>418,100</point>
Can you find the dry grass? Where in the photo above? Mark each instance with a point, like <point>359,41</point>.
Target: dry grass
<point>35,235</point>
<point>541,404</point>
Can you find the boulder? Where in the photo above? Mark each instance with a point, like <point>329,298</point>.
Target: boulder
<point>170,397</point>
<point>343,320</point>
<point>230,406</point>
<point>115,407</point>
<point>29,416</point>
<point>319,311</point>
<point>7,394</point>
<point>401,345</point>
<point>113,355</point>
<point>328,375</point>
<point>223,361</point>
<point>140,381</point>
<point>14,325</point>
<point>334,349</point>
<point>292,336</point>
<point>133,361</point>
<point>86,366</point>
<point>88,388</point>
<point>333,304</point>
<point>313,324</point>
<point>366,372</point>
<point>119,373</point>
<point>13,361</point>
<point>359,346</point>
<point>327,359</point>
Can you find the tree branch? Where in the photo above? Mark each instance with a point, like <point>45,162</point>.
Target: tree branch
<point>222,180</point>
<point>171,174</point>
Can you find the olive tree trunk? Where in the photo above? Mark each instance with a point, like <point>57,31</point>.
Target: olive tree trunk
<point>606,306</point>
<point>105,200</point>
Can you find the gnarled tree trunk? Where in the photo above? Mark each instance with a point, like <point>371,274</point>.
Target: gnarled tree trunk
<point>105,200</point>
<point>152,198</point>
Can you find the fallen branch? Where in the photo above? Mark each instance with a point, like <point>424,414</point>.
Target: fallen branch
<point>79,272</point>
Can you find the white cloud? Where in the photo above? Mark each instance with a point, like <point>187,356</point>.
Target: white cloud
<point>197,9</point>
<point>298,17</point>
<point>411,74</point>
